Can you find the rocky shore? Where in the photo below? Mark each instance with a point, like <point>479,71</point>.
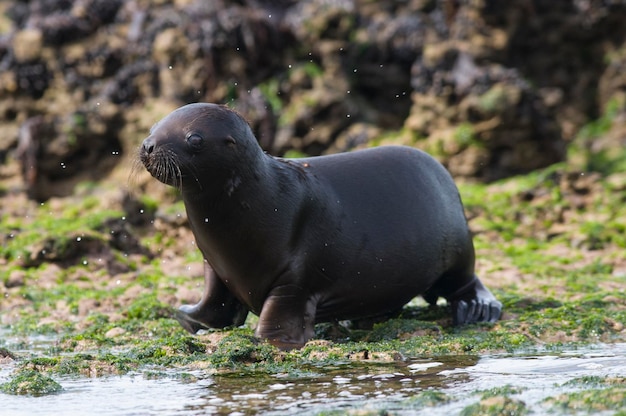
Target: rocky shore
<point>491,88</point>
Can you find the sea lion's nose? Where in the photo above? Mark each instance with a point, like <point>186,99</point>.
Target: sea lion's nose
<point>148,145</point>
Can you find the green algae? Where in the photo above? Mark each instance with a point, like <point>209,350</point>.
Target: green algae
<point>596,381</point>
<point>498,401</point>
<point>49,235</point>
<point>148,307</point>
<point>506,390</point>
<point>465,136</point>
<point>352,412</point>
<point>496,406</point>
<point>427,398</point>
<point>30,382</point>
<point>589,400</point>
<point>240,347</point>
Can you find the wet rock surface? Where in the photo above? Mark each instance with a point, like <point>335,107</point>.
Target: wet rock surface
<point>491,88</point>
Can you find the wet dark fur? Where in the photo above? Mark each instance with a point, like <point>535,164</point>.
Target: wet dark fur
<point>299,241</point>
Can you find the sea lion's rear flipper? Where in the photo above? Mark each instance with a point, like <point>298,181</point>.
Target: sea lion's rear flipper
<point>474,303</point>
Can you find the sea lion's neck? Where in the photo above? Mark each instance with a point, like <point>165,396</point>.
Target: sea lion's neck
<point>239,196</point>
<point>222,185</point>
<point>250,207</point>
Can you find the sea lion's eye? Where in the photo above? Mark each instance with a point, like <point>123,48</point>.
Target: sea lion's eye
<point>195,140</point>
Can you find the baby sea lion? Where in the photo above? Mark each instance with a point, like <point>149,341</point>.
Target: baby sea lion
<point>351,236</point>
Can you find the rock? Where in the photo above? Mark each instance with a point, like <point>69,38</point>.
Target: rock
<point>122,238</point>
<point>6,356</point>
<point>115,332</point>
<point>493,109</point>
<point>56,153</point>
<point>16,279</point>
<point>86,306</point>
<point>496,88</point>
<point>357,135</point>
<point>27,45</point>
<point>63,249</point>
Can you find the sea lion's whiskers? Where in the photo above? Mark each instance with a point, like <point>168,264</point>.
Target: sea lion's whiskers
<point>172,168</point>
<point>136,168</point>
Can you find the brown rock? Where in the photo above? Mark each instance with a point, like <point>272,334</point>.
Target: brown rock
<point>28,45</point>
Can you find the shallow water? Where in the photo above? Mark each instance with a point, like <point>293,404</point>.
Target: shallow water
<point>323,388</point>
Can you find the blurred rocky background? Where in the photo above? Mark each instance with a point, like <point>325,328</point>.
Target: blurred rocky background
<point>492,88</point>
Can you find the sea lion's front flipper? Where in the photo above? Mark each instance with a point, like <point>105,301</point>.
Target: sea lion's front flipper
<point>288,317</point>
<point>218,307</point>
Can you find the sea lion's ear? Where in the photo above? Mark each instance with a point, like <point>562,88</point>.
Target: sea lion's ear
<point>230,140</point>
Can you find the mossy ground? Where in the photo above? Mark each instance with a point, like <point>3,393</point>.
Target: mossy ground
<point>551,245</point>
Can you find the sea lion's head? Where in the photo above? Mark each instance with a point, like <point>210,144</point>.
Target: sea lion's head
<point>198,146</point>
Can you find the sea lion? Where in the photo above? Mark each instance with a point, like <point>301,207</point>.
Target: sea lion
<point>298,241</point>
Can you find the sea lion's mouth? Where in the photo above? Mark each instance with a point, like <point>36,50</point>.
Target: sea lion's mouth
<point>163,164</point>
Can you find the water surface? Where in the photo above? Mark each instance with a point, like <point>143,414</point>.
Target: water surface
<point>375,386</point>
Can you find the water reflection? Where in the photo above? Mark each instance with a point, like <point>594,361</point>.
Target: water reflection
<point>317,388</point>
<point>340,386</point>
